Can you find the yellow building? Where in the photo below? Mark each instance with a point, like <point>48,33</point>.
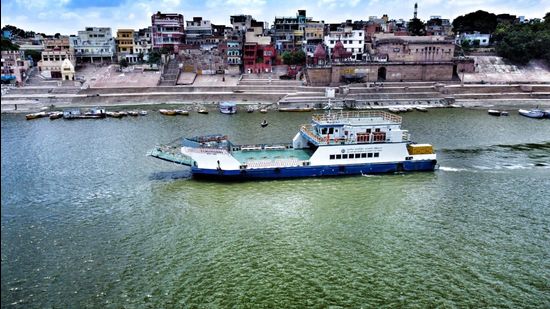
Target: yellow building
<point>126,45</point>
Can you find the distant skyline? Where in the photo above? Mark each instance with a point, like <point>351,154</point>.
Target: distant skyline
<point>70,16</point>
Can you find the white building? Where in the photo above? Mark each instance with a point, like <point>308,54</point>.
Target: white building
<point>353,40</point>
<point>471,37</point>
<point>94,44</point>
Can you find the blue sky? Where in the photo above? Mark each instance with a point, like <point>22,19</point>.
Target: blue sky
<point>69,16</point>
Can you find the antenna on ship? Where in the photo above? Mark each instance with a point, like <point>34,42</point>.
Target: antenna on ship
<point>415,9</point>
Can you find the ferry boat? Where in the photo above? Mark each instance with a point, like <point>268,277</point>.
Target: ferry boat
<point>333,144</point>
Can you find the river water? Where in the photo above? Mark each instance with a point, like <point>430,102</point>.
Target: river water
<point>89,221</point>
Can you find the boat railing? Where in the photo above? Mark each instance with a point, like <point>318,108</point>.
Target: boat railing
<point>260,147</point>
<point>370,138</point>
<point>337,117</point>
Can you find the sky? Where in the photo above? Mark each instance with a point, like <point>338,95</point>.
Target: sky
<point>69,16</point>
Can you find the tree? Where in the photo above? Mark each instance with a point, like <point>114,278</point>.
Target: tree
<point>481,21</point>
<point>8,45</point>
<point>34,54</point>
<point>294,57</point>
<point>416,27</point>
<point>154,57</point>
<point>123,62</point>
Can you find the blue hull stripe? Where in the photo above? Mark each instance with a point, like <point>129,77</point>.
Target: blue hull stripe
<point>316,171</point>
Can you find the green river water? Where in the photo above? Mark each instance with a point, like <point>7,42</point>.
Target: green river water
<point>89,221</point>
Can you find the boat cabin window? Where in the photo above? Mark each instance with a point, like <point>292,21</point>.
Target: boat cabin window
<point>344,156</point>
<point>376,154</point>
<point>370,154</point>
<point>338,157</point>
<point>357,155</point>
<point>324,131</point>
<point>368,130</point>
<point>377,130</point>
<point>364,155</point>
<point>332,157</point>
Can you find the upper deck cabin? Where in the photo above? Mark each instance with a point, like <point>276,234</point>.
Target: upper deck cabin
<point>357,127</point>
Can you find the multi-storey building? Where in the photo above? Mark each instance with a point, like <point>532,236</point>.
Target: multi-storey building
<point>289,31</point>
<point>241,22</point>
<point>126,45</point>
<point>14,66</point>
<point>438,26</point>
<point>168,31</point>
<point>94,44</point>
<point>53,57</point>
<point>314,33</point>
<point>353,41</point>
<point>142,43</point>
<point>197,31</point>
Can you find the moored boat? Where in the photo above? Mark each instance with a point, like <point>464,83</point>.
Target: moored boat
<point>114,114</point>
<point>228,107</point>
<point>36,115</point>
<point>55,115</point>
<point>182,112</point>
<point>494,112</point>
<point>133,113</point>
<point>92,113</point>
<point>142,113</point>
<point>421,109</point>
<point>534,113</point>
<point>333,144</point>
<point>250,109</point>
<point>263,110</point>
<point>202,110</point>
<point>168,112</point>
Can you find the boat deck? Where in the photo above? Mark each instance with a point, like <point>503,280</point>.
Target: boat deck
<point>272,158</point>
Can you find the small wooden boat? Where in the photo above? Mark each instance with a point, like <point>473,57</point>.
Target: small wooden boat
<point>250,109</point>
<point>182,112</point>
<point>202,110</point>
<point>168,112</point>
<point>494,112</point>
<point>114,114</point>
<point>55,115</point>
<point>534,113</point>
<point>142,113</point>
<point>263,110</point>
<point>421,109</point>
<point>264,123</point>
<point>396,110</point>
<point>35,115</point>
<point>133,113</point>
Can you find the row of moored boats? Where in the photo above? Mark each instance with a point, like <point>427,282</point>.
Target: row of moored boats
<point>92,113</point>
<point>532,113</point>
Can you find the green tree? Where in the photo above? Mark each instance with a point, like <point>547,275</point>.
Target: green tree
<point>154,57</point>
<point>123,62</point>
<point>294,57</point>
<point>416,27</point>
<point>481,21</point>
<point>8,45</point>
<point>34,54</point>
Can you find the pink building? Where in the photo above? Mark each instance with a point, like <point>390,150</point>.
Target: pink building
<point>168,31</point>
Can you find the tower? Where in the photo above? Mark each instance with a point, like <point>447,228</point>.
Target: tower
<point>415,9</point>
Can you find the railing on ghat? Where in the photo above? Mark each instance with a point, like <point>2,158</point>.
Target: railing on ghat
<point>338,116</point>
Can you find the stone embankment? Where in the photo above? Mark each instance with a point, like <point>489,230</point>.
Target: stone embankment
<point>285,93</point>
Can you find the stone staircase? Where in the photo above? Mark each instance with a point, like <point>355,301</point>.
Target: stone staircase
<point>170,73</point>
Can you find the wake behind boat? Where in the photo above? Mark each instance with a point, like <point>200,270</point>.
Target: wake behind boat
<point>344,143</point>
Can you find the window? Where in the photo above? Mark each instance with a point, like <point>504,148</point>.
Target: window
<point>376,154</point>
<point>332,157</point>
<point>345,156</point>
<point>338,157</point>
<point>357,155</point>
<point>377,130</point>
<point>370,154</point>
<point>364,155</point>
